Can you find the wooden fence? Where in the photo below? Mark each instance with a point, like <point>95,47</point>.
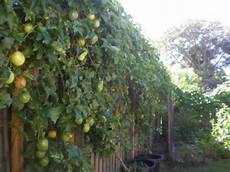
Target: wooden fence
<point>108,164</point>
<point>11,159</point>
<point>7,137</point>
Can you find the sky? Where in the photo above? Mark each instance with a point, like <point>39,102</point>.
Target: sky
<point>157,16</point>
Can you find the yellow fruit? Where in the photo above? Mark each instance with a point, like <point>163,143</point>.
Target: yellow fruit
<point>52,134</point>
<point>73,15</point>
<point>20,82</point>
<point>46,17</point>
<point>58,47</point>
<point>94,40</point>
<point>17,58</point>
<point>96,23</point>
<point>86,128</point>
<point>100,86</point>
<point>67,137</point>
<point>81,42</point>
<point>28,28</point>
<point>90,121</point>
<point>91,17</point>
<point>83,55</point>
<point>72,139</point>
<point>10,79</point>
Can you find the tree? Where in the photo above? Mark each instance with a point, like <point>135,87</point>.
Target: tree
<point>186,79</point>
<point>203,46</point>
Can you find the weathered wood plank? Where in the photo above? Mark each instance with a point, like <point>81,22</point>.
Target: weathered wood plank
<point>104,164</point>
<point>96,164</point>
<point>1,142</point>
<point>6,151</point>
<point>16,144</point>
<point>100,164</point>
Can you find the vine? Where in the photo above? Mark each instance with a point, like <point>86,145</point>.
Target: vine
<point>66,66</point>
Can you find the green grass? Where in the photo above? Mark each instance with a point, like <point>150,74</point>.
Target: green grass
<point>221,166</point>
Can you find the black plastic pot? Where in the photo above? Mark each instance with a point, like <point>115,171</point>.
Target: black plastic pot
<point>141,165</point>
<point>156,158</point>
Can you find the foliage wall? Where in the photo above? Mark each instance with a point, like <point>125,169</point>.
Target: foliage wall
<point>76,65</point>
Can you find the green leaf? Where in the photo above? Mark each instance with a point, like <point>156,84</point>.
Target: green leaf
<point>28,74</point>
<point>3,60</point>
<point>73,152</point>
<point>7,42</point>
<point>5,100</point>
<point>53,113</point>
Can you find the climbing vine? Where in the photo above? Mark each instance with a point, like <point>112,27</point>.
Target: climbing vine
<point>69,65</point>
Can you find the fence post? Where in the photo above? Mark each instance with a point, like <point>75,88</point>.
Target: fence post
<point>16,144</point>
<point>170,127</point>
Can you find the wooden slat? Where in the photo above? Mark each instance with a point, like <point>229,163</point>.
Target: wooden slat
<point>100,164</point>
<point>111,164</point>
<point>107,164</point>
<point>104,164</point>
<point>96,163</point>
<point>114,159</point>
<point>6,151</point>
<point>114,163</point>
<point>1,142</point>
<point>118,162</point>
<point>16,144</point>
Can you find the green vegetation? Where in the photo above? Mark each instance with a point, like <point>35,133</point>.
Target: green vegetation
<point>84,65</point>
<point>221,166</point>
<point>78,65</point>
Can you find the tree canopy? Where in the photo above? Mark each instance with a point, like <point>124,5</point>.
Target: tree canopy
<point>203,46</point>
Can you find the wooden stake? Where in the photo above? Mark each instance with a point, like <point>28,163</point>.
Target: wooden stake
<point>16,144</point>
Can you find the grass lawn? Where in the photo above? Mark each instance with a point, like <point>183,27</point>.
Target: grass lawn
<point>221,166</point>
